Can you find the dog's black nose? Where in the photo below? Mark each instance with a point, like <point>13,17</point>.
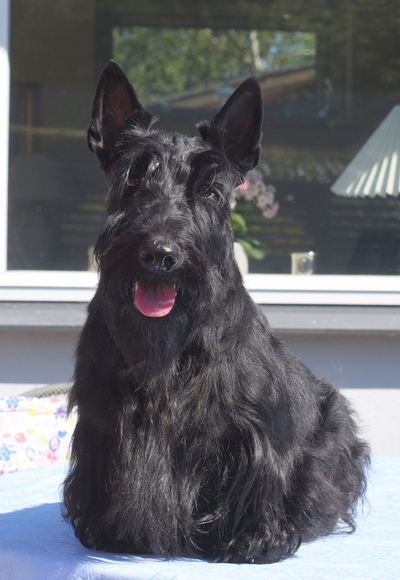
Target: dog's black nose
<point>159,255</point>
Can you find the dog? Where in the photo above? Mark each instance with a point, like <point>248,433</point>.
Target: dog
<point>199,434</point>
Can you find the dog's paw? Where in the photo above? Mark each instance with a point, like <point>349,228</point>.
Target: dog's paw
<point>260,552</point>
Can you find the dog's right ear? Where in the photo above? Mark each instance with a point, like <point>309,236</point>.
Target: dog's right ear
<point>115,109</point>
<point>236,129</point>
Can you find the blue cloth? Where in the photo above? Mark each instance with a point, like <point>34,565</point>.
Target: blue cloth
<point>35,544</point>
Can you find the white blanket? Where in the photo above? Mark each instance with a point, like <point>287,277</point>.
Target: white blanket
<point>35,544</point>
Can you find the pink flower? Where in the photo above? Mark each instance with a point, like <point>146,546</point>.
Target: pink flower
<point>20,437</point>
<point>254,189</point>
<point>254,176</point>
<point>263,201</point>
<point>243,186</point>
<point>271,211</point>
<point>241,189</point>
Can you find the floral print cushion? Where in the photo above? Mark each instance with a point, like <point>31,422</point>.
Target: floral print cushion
<point>33,432</point>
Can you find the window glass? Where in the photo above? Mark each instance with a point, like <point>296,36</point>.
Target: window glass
<point>325,198</point>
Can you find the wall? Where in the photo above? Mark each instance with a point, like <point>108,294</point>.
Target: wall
<point>366,367</point>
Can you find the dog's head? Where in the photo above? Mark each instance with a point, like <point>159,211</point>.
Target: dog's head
<point>167,224</point>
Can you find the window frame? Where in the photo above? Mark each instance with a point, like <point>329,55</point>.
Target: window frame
<point>4,127</point>
<point>68,286</point>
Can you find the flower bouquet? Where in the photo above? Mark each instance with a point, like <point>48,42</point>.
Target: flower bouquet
<point>263,196</point>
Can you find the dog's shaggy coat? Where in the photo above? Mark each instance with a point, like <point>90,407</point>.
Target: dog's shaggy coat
<point>199,433</point>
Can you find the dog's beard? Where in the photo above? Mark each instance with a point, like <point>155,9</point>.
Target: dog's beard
<point>152,319</point>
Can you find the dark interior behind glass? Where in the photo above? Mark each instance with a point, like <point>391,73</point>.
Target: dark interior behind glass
<point>329,72</point>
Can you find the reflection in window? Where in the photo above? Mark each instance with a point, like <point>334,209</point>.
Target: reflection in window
<point>199,61</point>
<point>329,78</point>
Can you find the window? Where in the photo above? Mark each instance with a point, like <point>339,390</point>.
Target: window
<point>329,80</point>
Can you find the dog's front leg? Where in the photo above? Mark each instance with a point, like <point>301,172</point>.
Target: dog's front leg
<point>95,394</point>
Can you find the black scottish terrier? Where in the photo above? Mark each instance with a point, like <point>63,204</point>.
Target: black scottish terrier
<point>199,434</point>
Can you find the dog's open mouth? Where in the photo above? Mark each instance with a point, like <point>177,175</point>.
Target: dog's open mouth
<point>154,299</point>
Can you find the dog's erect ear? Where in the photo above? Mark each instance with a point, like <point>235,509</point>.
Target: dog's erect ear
<point>236,129</point>
<point>115,109</point>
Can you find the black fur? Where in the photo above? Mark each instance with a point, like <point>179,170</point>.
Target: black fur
<point>199,433</point>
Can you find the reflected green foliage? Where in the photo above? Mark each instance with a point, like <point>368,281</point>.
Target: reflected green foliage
<point>165,61</point>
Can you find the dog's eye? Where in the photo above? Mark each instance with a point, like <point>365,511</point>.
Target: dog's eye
<point>134,180</point>
<point>208,192</point>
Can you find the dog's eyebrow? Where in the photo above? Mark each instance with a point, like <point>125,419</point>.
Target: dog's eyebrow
<point>209,157</point>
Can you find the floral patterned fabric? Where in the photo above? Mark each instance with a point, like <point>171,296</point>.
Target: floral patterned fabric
<point>33,432</point>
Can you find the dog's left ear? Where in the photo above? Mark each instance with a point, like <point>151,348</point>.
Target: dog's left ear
<point>236,129</point>
<point>115,109</point>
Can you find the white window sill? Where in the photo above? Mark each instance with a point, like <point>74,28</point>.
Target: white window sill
<point>47,286</point>
<point>323,289</point>
<point>57,286</point>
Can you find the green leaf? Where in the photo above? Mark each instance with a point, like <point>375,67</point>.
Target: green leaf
<point>238,223</point>
<point>258,253</point>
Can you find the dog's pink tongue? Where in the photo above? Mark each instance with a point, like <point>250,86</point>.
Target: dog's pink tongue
<point>154,299</point>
